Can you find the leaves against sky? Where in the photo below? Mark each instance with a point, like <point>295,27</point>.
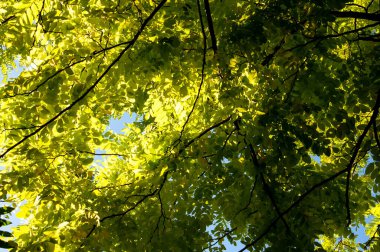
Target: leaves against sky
<point>232,98</point>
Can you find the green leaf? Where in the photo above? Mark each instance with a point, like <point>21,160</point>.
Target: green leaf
<point>5,234</point>
<point>6,210</point>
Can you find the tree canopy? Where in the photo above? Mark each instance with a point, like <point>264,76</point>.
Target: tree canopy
<point>256,122</point>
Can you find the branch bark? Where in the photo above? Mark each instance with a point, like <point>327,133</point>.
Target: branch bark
<point>203,133</point>
<point>211,26</point>
<point>202,71</point>
<point>357,15</point>
<point>6,20</point>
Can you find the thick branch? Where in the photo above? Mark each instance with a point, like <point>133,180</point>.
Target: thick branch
<point>372,38</point>
<point>211,26</point>
<point>268,192</point>
<point>132,42</point>
<point>357,15</point>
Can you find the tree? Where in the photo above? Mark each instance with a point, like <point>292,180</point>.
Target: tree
<point>255,119</point>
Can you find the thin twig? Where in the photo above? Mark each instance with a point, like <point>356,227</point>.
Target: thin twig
<point>203,133</point>
<point>110,187</point>
<point>319,39</point>
<point>202,71</point>
<point>376,135</point>
<point>8,19</point>
<point>250,198</point>
<point>103,154</point>
<point>372,237</point>
<point>220,238</point>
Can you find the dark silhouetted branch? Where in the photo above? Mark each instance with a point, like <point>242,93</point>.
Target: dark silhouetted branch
<point>376,135</point>
<point>357,15</point>
<point>138,203</point>
<point>110,187</point>
<point>250,198</point>
<point>226,232</point>
<point>6,20</point>
<point>265,185</point>
<point>320,38</point>
<point>268,192</point>
<point>203,133</point>
<point>270,56</point>
<point>368,243</point>
<point>211,26</point>
<point>355,153</point>
<point>95,53</point>
<point>372,38</point>
<point>103,154</point>
<point>202,74</point>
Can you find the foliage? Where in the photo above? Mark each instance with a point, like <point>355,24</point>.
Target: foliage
<point>235,103</point>
<point>4,235</point>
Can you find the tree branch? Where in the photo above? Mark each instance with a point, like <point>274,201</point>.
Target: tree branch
<point>268,192</point>
<point>355,153</point>
<point>139,202</point>
<point>357,15</point>
<point>202,73</point>
<point>376,134</point>
<point>6,20</point>
<point>95,53</point>
<point>203,133</point>
<point>250,198</point>
<point>270,56</point>
<point>320,38</point>
<point>265,185</point>
<point>211,26</point>
<point>226,232</point>
<point>368,243</point>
